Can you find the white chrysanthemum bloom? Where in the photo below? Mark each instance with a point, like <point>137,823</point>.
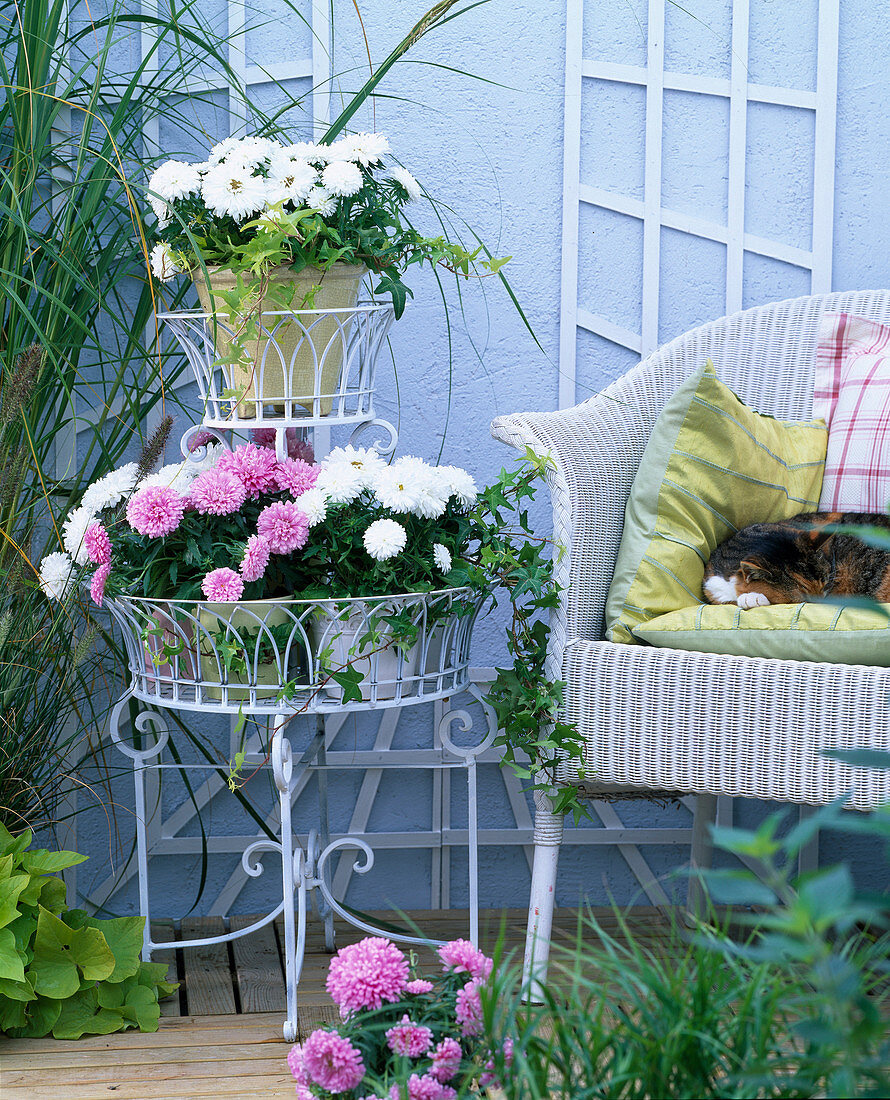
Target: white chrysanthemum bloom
<point>163,266</point>
<point>340,483</point>
<point>433,499</point>
<point>385,539</point>
<point>396,490</point>
<point>162,212</point>
<point>308,150</point>
<point>314,505</point>
<point>321,200</point>
<point>365,460</point>
<point>290,180</point>
<point>55,575</point>
<point>343,178</point>
<point>111,489</point>
<point>406,181</point>
<point>175,475</point>
<point>341,150</point>
<point>461,484</point>
<point>252,151</point>
<point>203,167</point>
<point>73,530</point>
<point>213,452</point>
<point>174,180</point>
<point>221,150</point>
<point>442,557</point>
<point>234,190</point>
<point>369,148</point>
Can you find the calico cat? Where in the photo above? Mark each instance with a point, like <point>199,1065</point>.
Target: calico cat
<point>798,560</point>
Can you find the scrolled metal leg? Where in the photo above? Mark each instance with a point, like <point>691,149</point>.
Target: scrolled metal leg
<point>324,910</point>
<point>291,871</point>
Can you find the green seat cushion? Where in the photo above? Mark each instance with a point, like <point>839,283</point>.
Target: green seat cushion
<point>712,466</point>
<point>790,632</point>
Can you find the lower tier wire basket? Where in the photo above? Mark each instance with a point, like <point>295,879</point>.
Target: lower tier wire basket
<point>299,656</point>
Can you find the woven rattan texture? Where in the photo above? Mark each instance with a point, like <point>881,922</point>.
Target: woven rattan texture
<point>665,718</point>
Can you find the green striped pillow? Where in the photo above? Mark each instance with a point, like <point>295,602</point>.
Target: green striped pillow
<point>712,466</point>
<point>789,632</point>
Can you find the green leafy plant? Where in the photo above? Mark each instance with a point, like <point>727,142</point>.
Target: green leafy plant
<point>61,971</point>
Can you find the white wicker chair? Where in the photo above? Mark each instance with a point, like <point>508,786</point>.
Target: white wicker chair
<point>663,719</point>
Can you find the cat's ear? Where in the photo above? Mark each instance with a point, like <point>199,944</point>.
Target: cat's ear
<point>754,569</point>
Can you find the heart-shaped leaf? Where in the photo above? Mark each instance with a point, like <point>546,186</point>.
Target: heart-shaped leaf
<point>62,955</point>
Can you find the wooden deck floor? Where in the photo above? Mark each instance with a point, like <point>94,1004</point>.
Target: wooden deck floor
<point>221,1035</point>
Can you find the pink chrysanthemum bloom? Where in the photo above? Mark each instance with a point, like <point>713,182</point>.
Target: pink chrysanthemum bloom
<point>332,1061</point>
<point>256,558</point>
<point>295,1062</point>
<point>468,1009</point>
<point>97,544</point>
<point>284,525</point>
<point>304,1092</point>
<point>409,1039</point>
<point>423,1088</point>
<point>155,511</point>
<point>97,584</point>
<point>462,957</point>
<point>367,974</point>
<point>446,1059</point>
<point>488,1080</point>
<point>201,439</point>
<point>253,466</point>
<point>217,492</point>
<point>223,586</point>
<point>296,477</point>
<point>296,447</point>
<point>419,985</point>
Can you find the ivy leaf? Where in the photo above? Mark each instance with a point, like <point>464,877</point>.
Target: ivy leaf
<point>350,680</point>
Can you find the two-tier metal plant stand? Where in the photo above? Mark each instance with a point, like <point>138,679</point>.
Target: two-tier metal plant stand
<point>273,660</point>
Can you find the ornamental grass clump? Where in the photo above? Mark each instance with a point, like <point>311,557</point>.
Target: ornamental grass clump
<point>402,1036</point>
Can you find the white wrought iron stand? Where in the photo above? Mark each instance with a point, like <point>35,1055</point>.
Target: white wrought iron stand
<point>176,663</point>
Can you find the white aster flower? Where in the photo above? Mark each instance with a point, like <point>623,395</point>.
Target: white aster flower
<point>221,150</point>
<point>406,181</point>
<point>431,488</point>
<point>369,148</point>
<point>73,530</point>
<point>250,152</point>
<point>433,499</point>
<point>314,505</point>
<point>462,487</point>
<point>340,483</point>
<point>290,180</point>
<point>396,490</point>
<point>233,190</point>
<point>442,557</point>
<point>174,180</point>
<point>310,150</point>
<point>321,200</point>
<point>342,178</point>
<point>385,539</point>
<point>175,475</point>
<point>55,575</point>
<point>365,460</point>
<point>163,266</point>
<point>162,212</point>
<point>111,489</point>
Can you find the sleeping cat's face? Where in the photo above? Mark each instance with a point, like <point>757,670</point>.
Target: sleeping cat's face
<point>777,565</point>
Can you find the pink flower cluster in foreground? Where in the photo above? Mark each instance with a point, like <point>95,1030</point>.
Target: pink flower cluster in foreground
<point>367,974</point>
<point>156,511</point>
<point>462,957</point>
<point>409,1039</point>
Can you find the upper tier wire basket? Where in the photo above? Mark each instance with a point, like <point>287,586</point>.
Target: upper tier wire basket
<point>308,366</point>
<point>299,656</point>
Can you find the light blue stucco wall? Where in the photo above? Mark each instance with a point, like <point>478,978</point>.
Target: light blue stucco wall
<point>492,150</point>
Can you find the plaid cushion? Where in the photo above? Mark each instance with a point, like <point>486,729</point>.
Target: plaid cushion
<point>852,394</point>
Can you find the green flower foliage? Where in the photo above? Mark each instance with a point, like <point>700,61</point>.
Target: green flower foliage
<point>61,971</point>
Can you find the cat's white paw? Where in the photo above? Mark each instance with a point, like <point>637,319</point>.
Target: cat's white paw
<point>747,600</point>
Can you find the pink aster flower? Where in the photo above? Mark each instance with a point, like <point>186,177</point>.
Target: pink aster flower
<point>462,957</point>
<point>295,1062</point>
<point>488,1078</point>
<point>295,476</point>
<point>296,447</point>
<point>304,1092</point>
<point>254,467</point>
<point>256,558</point>
<point>97,584</point>
<point>409,1039</point>
<point>419,985</point>
<point>217,492</point>
<point>468,1009</point>
<point>423,1088</point>
<point>332,1061</point>
<point>155,511</point>
<point>97,543</point>
<point>284,525</point>
<point>446,1059</point>
<point>367,974</point>
<point>222,586</point>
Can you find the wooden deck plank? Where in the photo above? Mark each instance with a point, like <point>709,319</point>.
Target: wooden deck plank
<point>208,980</point>
<point>258,968</point>
<point>273,1086</point>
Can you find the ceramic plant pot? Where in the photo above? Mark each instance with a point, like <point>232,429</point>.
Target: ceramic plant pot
<point>235,648</point>
<point>340,637</point>
<point>300,362</point>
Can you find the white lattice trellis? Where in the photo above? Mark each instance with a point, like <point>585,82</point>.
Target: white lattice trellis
<point>821,103</point>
